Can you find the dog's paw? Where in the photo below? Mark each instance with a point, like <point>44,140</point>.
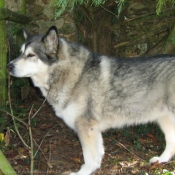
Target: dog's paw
<point>154,159</point>
<point>73,174</point>
<point>161,159</point>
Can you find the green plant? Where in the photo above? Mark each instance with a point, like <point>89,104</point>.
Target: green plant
<point>164,172</point>
<point>137,145</point>
<point>161,4</point>
<point>2,141</point>
<point>34,122</point>
<point>61,5</point>
<point>5,165</point>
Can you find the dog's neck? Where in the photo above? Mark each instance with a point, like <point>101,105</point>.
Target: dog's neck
<point>40,80</point>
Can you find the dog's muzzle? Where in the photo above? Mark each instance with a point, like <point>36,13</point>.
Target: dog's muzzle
<point>10,67</point>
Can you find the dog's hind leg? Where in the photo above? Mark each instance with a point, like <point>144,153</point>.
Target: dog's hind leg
<point>92,146</point>
<point>167,125</point>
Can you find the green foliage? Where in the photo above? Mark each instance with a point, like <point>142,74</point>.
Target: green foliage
<point>97,3</point>
<point>14,29</point>
<point>161,4</point>
<point>120,6</point>
<point>34,122</point>
<point>2,141</point>
<point>165,172</point>
<point>137,145</point>
<point>61,5</point>
<point>16,86</point>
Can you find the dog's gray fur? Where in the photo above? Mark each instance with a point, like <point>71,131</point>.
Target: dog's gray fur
<point>93,93</point>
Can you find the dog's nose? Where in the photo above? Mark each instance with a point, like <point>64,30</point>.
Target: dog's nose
<point>10,66</point>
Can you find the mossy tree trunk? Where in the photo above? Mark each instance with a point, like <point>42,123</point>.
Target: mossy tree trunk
<point>4,164</point>
<point>19,34</point>
<point>3,61</point>
<point>23,7</point>
<point>6,14</point>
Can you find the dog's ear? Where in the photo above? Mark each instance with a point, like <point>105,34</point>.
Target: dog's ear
<point>50,40</point>
<point>26,34</point>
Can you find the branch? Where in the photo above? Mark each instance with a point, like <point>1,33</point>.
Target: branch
<point>165,12</point>
<point>16,118</point>
<point>108,11</point>
<point>120,144</point>
<point>39,147</point>
<point>6,14</point>
<point>38,109</point>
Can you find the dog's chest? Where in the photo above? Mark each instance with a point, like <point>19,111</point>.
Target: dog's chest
<point>68,114</point>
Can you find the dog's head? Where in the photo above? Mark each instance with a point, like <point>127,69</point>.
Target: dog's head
<point>37,52</point>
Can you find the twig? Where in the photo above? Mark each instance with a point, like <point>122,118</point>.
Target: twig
<point>39,147</point>
<point>129,150</point>
<point>38,109</point>
<point>16,118</point>
<point>40,150</point>
<point>13,118</point>
<point>150,14</point>
<point>109,11</point>
<point>48,163</point>
<point>31,143</point>
<point>43,140</point>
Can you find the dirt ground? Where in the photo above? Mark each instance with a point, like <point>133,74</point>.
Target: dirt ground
<point>127,151</point>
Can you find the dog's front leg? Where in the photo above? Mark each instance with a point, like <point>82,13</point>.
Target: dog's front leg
<point>92,146</point>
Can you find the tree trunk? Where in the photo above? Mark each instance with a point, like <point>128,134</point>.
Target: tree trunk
<point>23,7</point>
<point>3,61</point>
<point>19,33</point>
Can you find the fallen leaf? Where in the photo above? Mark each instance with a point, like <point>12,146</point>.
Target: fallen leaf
<point>7,137</point>
<point>151,136</point>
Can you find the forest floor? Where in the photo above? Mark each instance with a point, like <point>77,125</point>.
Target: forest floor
<point>127,150</point>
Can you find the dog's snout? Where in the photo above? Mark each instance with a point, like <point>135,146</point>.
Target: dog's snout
<point>10,66</point>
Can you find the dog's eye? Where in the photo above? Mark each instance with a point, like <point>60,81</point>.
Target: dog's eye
<point>30,55</point>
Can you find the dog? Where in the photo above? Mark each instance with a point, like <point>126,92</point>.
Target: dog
<point>92,93</point>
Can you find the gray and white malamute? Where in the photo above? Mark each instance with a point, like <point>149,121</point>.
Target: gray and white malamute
<point>93,93</point>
